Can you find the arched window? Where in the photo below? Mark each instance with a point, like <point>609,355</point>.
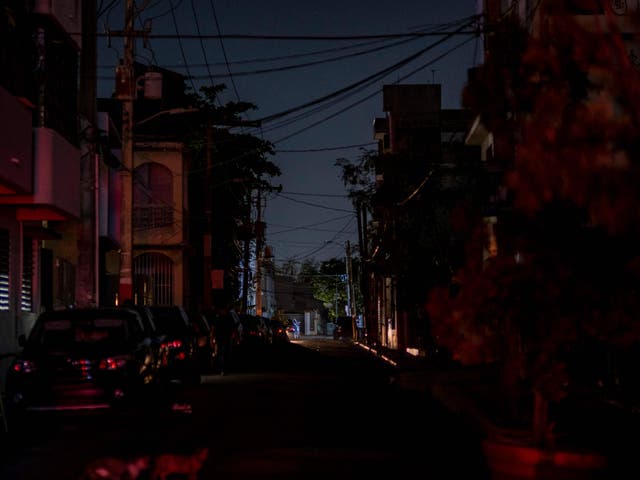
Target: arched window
<point>153,279</point>
<point>152,196</point>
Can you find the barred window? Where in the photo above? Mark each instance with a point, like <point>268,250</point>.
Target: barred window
<point>26,296</point>
<point>153,279</point>
<point>5,255</point>
<point>153,216</point>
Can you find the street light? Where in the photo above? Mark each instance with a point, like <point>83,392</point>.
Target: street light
<point>171,111</point>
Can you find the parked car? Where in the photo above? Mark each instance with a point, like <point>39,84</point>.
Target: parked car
<point>343,328</point>
<point>180,340</point>
<point>158,339</point>
<point>266,328</point>
<point>86,358</point>
<point>278,331</point>
<point>205,340</point>
<point>254,331</point>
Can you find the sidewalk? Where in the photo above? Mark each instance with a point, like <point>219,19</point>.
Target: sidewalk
<point>464,390</point>
<point>604,441</point>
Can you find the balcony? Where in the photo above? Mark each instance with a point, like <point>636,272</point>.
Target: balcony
<point>153,216</point>
<point>67,14</point>
<point>16,146</point>
<point>56,180</point>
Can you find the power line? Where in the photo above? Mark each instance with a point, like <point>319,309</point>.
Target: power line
<point>328,149</point>
<point>313,204</point>
<point>204,51</point>
<point>318,194</point>
<point>325,245</point>
<point>372,77</point>
<point>243,36</point>
<point>277,69</point>
<point>315,62</point>
<point>287,57</point>
<point>348,107</point>
<point>308,226</point>
<point>224,51</point>
<point>184,57</point>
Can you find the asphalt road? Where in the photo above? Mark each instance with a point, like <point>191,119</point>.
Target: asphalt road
<point>312,409</point>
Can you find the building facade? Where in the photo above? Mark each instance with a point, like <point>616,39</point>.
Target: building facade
<point>45,149</point>
<point>423,169</point>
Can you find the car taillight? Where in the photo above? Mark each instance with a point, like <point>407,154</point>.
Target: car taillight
<point>24,366</point>
<point>112,363</point>
<point>172,344</point>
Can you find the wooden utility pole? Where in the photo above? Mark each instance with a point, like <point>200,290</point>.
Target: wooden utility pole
<point>207,247</point>
<point>125,290</point>
<point>259,230</point>
<point>126,92</point>
<point>247,257</point>
<point>351,302</point>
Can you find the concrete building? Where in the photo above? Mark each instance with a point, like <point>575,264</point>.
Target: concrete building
<point>422,169</point>
<point>46,155</point>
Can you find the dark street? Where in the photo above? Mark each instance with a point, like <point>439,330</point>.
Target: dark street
<point>314,408</point>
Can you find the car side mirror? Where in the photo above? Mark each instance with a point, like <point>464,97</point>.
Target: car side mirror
<point>22,340</point>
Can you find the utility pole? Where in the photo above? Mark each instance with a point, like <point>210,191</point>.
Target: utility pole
<point>259,231</point>
<point>125,91</point>
<point>125,290</point>
<point>350,291</point>
<point>207,294</point>
<point>247,257</point>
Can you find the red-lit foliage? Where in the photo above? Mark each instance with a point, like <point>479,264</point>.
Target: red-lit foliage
<point>564,110</point>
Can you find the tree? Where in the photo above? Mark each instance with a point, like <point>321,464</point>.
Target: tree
<point>329,286</point>
<point>563,109</point>
<point>233,165</point>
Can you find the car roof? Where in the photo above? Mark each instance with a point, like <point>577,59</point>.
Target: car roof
<point>88,312</point>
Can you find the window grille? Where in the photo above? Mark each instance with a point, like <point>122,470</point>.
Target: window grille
<point>153,279</point>
<point>154,216</point>
<point>28,260</point>
<point>5,255</point>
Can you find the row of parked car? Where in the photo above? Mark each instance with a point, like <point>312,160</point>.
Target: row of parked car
<point>89,358</point>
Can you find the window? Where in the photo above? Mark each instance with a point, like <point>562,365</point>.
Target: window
<point>153,279</point>
<point>153,185</point>
<point>152,196</point>
<point>5,252</point>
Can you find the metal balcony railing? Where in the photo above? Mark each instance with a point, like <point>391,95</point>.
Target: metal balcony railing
<point>152,216</point>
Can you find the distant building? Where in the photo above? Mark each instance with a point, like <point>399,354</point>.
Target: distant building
<point>295,301</point>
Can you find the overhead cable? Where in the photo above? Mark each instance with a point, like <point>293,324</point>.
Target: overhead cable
<point>376,75</point>
<point>352,105</point>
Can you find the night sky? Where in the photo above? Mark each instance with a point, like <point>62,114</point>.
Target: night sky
<point>312,218</point>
